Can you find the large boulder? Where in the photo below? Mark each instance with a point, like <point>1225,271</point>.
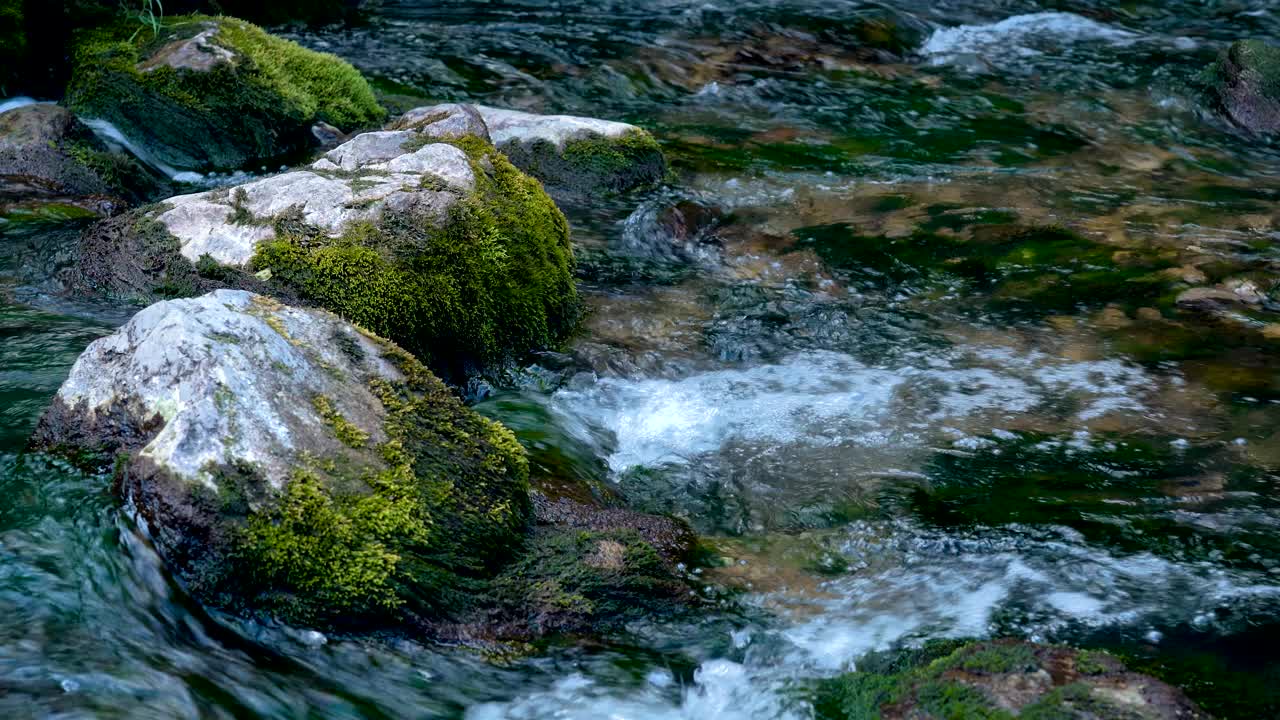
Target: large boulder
<point>997,680</point>
<point>214,93</point>
<point>1244,84</point>
<point>47,155</point>
<point>285,460</point>
<point>577,156</point>
<point>444,247</point>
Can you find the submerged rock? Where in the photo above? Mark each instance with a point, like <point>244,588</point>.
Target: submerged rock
<point>446,248</point>
<point>578,155</point>
<point>47,155</point>
<point>997,680</point>
<point>284,460</point>
<point>1244,84</point>
<point>214,93</point>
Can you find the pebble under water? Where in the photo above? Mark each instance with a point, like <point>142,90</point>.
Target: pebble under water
<point>910,360</point>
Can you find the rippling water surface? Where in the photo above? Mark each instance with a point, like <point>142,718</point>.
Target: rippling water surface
<point>913,366</point>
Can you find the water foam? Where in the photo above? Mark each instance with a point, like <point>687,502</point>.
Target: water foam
<point>1019,35</point>
<point>829,399</point>
<point>16,102</point>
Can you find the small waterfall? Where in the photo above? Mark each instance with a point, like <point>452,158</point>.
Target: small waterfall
<point>111,135</point>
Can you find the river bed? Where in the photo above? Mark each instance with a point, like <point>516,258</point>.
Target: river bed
<point>910,360</point>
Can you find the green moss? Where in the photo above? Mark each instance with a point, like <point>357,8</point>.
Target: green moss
<point>955,701</point>
<point>591,164</point>
<point>368,536</point>
<point>335,553</point>
<point>346,432</point>
<point>918,682</point>
<point>119,171</point>
<point>1094,662</point>
<point>1075,701</point>
<point>570,580</point>
<point>328,87</point>
<point>948,680</point>
<point>997,659</point>
<point>257,107</point>
<point>496,279</point>
<point>614,156</point>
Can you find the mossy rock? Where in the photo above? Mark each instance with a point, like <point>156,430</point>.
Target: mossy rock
<point>210,93</point>
<point>287,462</point>
<point>573,581</point>
<point>47,153</point>
<point>446,248</point>
<point>577,156</point>
<point>1244,85</point>
<point>998,680</point>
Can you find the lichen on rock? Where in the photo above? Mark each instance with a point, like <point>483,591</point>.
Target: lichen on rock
<point>214,93</point>
<point>286,461</point>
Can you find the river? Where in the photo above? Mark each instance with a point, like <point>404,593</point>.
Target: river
<point>911,364</point>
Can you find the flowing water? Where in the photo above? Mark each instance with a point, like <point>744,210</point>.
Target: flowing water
<point>911,365</point>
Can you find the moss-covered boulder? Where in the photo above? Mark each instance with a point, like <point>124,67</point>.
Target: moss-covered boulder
<point>999,680</point>
<point>49,156</point>
<point>574,156</point>
<point>284,460</point>
<point>1244,85</point>
<point>444,247</point>
<point>214,93</point>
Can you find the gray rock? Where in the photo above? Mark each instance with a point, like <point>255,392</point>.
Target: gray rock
<point>227,377</point>
<point>450,121</point>
<point>360,181</point>
<point>1244,85</point>
<point>282,459</point>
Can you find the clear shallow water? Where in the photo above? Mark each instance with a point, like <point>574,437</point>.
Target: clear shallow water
<point>891,422</point>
